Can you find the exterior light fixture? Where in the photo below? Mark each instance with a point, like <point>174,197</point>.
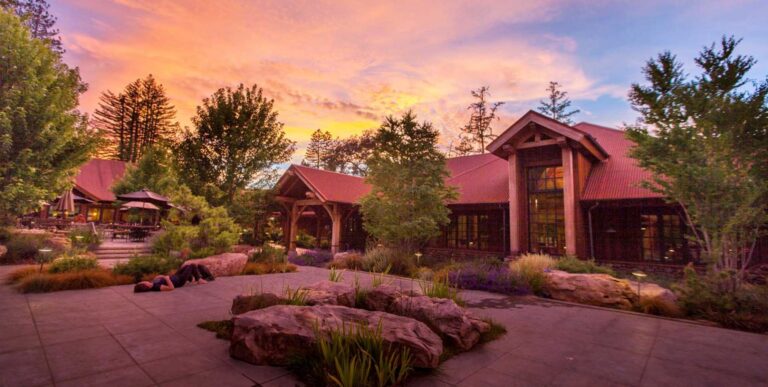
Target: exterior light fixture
<point>418,258</point>
<point>44,256</point>
<point>610,230</point>
<point>639,275</point>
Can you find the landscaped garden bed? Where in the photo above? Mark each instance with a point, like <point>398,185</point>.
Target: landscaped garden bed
<point>333,333</point>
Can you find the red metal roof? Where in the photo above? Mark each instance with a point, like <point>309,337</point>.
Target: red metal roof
<point>617,177</point>
<point>97,176</point>
<point>484,178</point>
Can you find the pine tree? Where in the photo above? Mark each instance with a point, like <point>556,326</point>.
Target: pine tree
<point>477,133</point>
<point>43,139</point>
<point>557,104</point>
<point>36,17</point>
<point>135,120</point>
<point>320,148</point>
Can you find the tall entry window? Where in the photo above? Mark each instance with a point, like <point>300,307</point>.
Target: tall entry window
<point>546,228</point>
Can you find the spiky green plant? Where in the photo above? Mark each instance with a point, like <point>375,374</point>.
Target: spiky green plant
<point>380,278</point>
<point>296,296</point>
<point>441,288</point>
<point>335,275</point>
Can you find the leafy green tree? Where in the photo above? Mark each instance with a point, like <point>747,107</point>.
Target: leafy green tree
<point>319,150</point>
<point>477,133</point>
<point>350,155</point>
<point>407,203</point>
<point>35,16</point>
<point>155,171</point>
<point>705,140</point>
<point>557,104</point>
<point>236,144</point>
<point>135,120</point>
<point>43,139</point>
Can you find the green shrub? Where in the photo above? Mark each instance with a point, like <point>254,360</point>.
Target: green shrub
<point>74,263</point>
<point>380,258</point>
<point>23,247</point>
<point>139,267</point>
<point>85,238</point>
<point>87,279</point>
<point>269,253</point>
<point>175,238</point>
<point>349,261</point>
<point>531,269</point>
<point>305,241</point>
<point>202,253</point>
<point>572,264</point>
<point>720,298</point>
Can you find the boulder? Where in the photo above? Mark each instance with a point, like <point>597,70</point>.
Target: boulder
<point>3,250</point>
<point>656,299</point>
<point>247,303</point>
<point>277,334</point>
<point>591,289</point>
<point>330,293</point>
<point>222,265</point>
<point>443,316</point>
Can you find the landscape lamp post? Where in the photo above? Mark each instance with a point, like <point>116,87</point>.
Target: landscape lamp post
<point>43,256</point>
<point>639,275</point>
<point>418,258</point>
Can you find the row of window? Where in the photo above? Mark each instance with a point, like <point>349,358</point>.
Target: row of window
<point>477,230</point>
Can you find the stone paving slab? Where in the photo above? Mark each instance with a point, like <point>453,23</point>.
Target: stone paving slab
<point>113,337</point>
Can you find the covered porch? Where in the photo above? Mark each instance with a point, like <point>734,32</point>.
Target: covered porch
<point>312,201</point>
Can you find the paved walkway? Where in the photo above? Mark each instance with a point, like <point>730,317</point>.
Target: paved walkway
<point>113,337</point>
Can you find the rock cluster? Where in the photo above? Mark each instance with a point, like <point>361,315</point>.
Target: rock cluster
<point>277,334</point>
<point>268,333</point>
<point>222,265</point>
<point>591,289</point>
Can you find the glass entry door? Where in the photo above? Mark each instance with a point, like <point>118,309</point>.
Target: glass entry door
<point>546,228</point>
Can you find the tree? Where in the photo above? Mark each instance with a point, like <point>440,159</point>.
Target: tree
<point>705,140</point>
<point>350,155</point>
<point>478,132</point>
<point>43,139</point>
<point>319,150</point>
<point>237,141</point>
<point>557,104</point>
<point>135,120</point>
<point>407,203</point>
<point>35,16</point>
<point>154,171</point>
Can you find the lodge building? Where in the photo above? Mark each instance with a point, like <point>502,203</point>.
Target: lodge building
<point>543,186</point>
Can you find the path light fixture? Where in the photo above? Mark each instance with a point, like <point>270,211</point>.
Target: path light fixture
<point>43,256</point>
<point>418,258</point>
<point>639,275</point>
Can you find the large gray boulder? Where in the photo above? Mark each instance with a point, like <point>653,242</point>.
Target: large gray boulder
<point>591,289</point>
<point>277,334</point>
<point>222,265</point>
<point>330,293</point>
<point>443,316</point>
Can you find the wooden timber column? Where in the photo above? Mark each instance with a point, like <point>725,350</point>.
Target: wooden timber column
<point>293,224</point>
<point>334,211</point>
<point>514,200</point>
<point>569,198</point>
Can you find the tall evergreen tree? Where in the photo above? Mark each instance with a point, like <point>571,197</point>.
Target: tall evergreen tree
<point>319,150</point>
<point>236,144</point>
<point>43,139</point>
<point>36,17</point>
<point>135,120</point>
<point>477,133</point>
<point>557,105</point>
<point>705,140</point>
<point>407,203</point>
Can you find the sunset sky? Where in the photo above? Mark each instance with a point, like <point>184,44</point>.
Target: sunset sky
<point>343,65</point>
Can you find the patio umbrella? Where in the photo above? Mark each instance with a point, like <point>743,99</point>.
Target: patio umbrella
<point>66,203</point>
<point>145,195</point>
<point>139,205</point>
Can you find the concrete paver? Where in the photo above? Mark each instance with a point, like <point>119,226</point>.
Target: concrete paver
<point>113,337</point>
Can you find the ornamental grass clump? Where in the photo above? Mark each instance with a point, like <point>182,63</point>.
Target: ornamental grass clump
<point>83,279</point>
<point>441,288</point>
<point>268,253</point>
<point>73,263</point>
<point>380,258</point>
<point>258,268</point>
<point>349,261</point>
<point>335,275</point>
<point>532,270</point>
<point>572,264</point>
<point>356,355</point>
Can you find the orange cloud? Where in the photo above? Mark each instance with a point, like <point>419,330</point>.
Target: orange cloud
<point>336,65</point>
